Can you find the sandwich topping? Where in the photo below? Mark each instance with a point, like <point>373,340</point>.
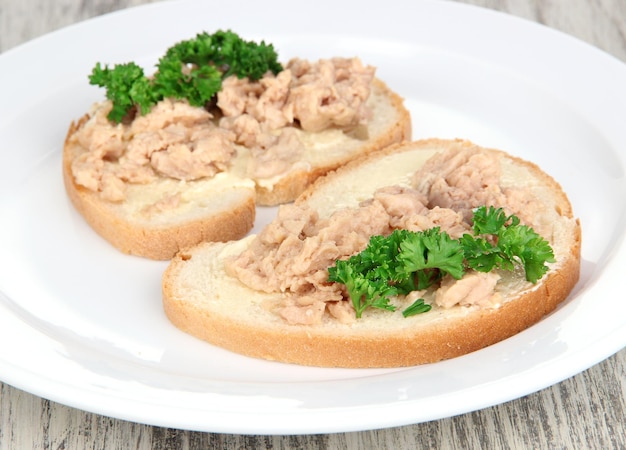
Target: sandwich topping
<point>174,140</point>
<point>442,242</point>
<point>214,99</point>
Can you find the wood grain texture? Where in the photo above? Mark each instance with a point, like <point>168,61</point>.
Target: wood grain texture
<point>585,411</point>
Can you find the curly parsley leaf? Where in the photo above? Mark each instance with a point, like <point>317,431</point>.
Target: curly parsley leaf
<point>192,69</point>
<point>127,87</point>
<point>491,220</point>
<point>428,251</point>
<point>418,307</point>
<point>364,287</point>
<point>483,256</point>
<point>509,244</point>
<point>399,263</point>
<point>198,86</point>
<point>523,243</point>
<point>406,261</point>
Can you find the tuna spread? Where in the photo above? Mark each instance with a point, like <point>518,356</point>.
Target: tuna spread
<point>293,253</point>
<point>266,121</point>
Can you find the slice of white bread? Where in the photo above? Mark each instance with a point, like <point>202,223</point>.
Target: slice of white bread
<point>223,208</point>
<point>200,298</point>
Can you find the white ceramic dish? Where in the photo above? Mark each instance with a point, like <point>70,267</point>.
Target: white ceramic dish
<point>82,324</point>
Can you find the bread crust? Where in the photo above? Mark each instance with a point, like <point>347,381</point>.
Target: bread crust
<point>353,347</point>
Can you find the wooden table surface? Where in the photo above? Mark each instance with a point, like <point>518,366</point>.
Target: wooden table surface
<point>585,411</point>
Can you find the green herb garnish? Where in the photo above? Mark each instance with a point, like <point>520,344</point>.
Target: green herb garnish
<point>513,244</point>
<point>418,307</point>
<point>407,261</point>
<point>191,69</point>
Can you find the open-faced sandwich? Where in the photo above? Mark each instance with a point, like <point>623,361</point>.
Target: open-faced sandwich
<point>183,156</point>
<point>419,253</point>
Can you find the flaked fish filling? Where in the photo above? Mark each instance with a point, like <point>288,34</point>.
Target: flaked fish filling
<point>293,253</point>
<point>183,142</point>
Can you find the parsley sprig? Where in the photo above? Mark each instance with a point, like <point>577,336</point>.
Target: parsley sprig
<point>513,244</point>
<point>192,69</point>
<point>407,261</point>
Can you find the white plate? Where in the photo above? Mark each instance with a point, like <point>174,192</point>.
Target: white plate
<point>82,324</point>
